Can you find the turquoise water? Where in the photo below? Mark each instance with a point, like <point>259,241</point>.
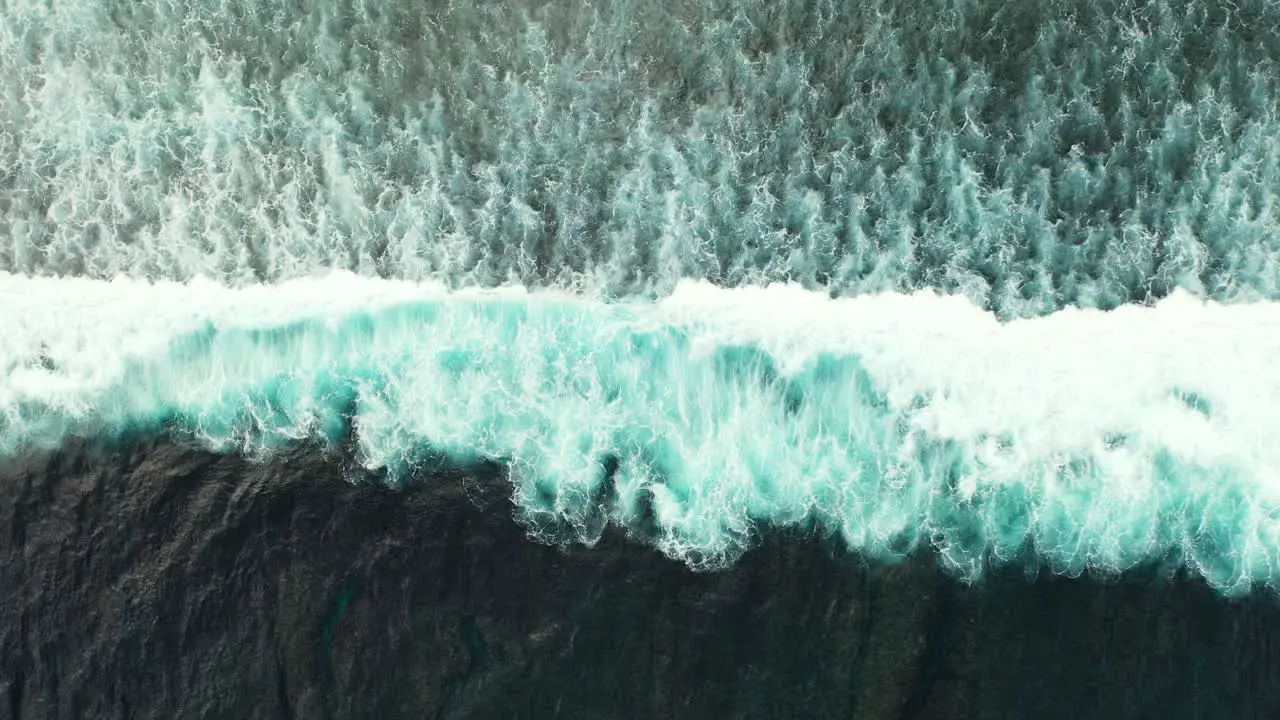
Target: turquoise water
<point>1094,439</point>
<point>983,277</point>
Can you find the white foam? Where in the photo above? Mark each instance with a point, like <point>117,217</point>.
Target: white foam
<point>1095,436</point>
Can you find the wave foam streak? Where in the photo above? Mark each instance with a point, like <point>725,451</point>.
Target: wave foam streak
<point>1096,439</point>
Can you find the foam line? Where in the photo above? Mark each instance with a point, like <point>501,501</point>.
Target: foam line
<point>1096,439</point>
<point>1057,154</point>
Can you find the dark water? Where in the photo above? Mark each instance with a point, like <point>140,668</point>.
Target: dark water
<point>156,580</point>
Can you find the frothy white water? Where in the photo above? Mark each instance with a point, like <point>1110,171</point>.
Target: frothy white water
<point>1095,439</point>
<point>1031,158</point>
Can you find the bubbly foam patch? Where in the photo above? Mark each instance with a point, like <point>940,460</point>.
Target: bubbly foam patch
<point>1033,156</point>
<point>1095,439</point>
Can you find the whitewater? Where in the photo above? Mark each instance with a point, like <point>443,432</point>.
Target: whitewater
<point>1096,439</point>
<point>1030,157</point>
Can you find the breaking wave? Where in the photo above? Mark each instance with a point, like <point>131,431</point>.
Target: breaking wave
<point>1091,439</point>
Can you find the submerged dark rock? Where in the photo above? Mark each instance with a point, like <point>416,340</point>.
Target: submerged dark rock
<point>154,580</point>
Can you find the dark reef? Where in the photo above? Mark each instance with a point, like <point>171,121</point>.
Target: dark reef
<point>155,580</point>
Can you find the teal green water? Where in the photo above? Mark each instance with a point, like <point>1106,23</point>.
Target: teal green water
<point>1029,155</point>
<point>1085,439</point>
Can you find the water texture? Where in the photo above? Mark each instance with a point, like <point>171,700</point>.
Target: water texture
<point>1088,439</point>
<point>995,279</point>
<point>1028,155</point>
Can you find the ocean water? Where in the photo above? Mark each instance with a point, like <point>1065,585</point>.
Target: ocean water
<point>989,278</point>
